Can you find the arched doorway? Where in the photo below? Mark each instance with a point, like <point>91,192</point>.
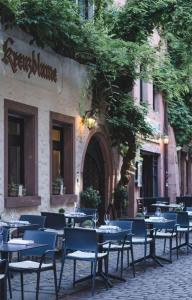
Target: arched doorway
<point>97,169</point>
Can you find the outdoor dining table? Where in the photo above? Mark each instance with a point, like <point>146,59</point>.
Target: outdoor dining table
<point>151,222</point>
<point>7,248</point>
<point>164,205</point>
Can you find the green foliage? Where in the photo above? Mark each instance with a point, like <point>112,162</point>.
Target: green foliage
<point>61,210</point>
<point>113,46</point>
<point>120,199</point>
<point>120,194</point>
<point>90,198</point>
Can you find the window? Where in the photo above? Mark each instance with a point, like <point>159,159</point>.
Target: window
<point>15,150</point>
<point>57,155</point>
<point>62,147</point>
<point>20,153</point>
<point>86,8</point>
<point>141,91</point>
<point>155,99</point>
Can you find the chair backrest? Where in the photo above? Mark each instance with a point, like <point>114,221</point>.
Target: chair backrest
<point>80,239</point>
<point>5,234</point>
<point>54,220</point>
<point>170,225</point>
<point>34,219</point>
<point>183,219</point>
<point>187,200</point>
<point>139,228</point>
<point>40,237</point>
<point>117,236</point>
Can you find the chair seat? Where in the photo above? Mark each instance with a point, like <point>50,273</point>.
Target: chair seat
<point>57,231</point>
<point>85,255</point>
<point>164,234</point>
<point>140,240</point>
<point>28,264</point>
<point>116,247</point>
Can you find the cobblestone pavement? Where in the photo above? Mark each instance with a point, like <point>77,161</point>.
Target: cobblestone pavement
<point>170,282</point>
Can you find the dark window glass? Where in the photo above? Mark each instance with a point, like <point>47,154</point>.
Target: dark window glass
<point>86,8</point>
<point>58,153</point>
<point>15,150</point>
<point>141,90</point>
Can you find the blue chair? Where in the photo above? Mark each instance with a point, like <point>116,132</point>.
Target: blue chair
<point>120,242</point>
<point>54,222</point>
<point>81,244</point>
<point>44,253</point>
<point>183,227</point>
<point>38,220</point>
<point>167,230</point>
<point>140,237</point>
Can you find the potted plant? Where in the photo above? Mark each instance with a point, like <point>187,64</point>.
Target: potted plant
<point>61,210</point>
<point>90,198</point>
<point>120,199</point>
<point>12,190</point>
<point>57,186</point>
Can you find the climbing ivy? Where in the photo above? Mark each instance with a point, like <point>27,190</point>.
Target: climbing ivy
<point>114,44</point>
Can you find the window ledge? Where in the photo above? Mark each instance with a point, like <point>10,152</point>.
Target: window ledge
<point>63,199</point>
<point>23,201</point>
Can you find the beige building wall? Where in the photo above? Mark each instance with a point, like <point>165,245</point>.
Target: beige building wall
<point>65,97</point>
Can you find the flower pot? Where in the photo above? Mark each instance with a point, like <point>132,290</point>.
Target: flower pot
<point>13,193</point>
<point>56,190</point>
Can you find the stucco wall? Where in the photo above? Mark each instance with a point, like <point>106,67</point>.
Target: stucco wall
<point>63,97</point>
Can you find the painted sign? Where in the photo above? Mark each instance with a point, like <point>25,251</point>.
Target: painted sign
<point>29,64</point>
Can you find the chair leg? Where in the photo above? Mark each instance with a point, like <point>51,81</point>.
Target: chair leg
<point>61,274</point>
<point>187,240</point>
<point>177,250</point>
<point>170,250</point>
<point>22,290</point>
<point>133,265</point>
<point>145,254</point>
<point>121,271</point>
<point>55,281</point>
<point>128,258</point>
<point>9,285</point>
<point>106,270</point>
<point>74,271</point>
<point>164,245</point>
<point>37,286</point>
<point>93,279</point>
<point>117,266</point>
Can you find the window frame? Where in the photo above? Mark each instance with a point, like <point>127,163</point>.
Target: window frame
<point>30,116</point>
<point>68,125</point>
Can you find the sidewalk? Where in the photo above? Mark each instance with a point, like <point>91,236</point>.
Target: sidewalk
<point>170,282</point>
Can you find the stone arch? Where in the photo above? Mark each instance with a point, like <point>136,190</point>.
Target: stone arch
<point>103,140</point>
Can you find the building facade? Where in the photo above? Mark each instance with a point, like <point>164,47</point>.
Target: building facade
<point>44,142</point>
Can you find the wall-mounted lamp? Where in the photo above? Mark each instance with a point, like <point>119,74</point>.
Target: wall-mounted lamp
<point>166,139</point>
<point>89,119</point>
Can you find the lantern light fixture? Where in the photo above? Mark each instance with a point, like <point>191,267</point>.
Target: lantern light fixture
<point>166,139</point>
<point>89,119</point>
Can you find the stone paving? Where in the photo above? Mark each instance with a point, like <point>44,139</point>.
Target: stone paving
<point>170,282</point>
